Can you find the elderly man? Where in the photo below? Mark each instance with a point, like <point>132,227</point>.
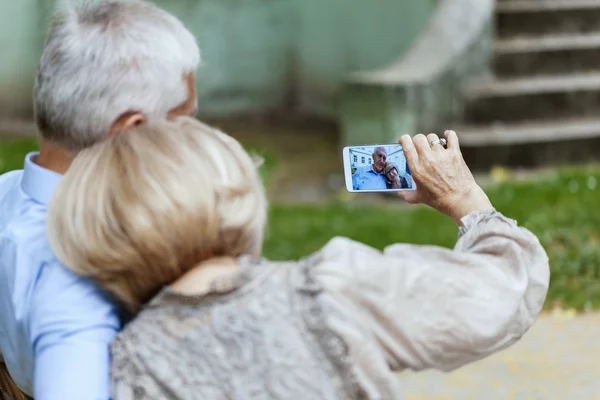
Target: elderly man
<point>107,65</point>
<point>371,177</point>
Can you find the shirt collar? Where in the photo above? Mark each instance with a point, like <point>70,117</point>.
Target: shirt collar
<point>375,172</point>
<point>38,182</point>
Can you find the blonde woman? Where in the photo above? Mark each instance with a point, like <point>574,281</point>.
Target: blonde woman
<point>170,219</point>
<point>393,178</point>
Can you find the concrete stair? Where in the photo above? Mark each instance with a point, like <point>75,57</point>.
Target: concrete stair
<point>534,133</point>
<point>547,54</point>
<point>536,17</point>
<point>545,87</point>
<point>535,98</point>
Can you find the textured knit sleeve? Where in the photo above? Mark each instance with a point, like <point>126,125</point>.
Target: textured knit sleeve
<point>130,378</point>
<point>423,307</point>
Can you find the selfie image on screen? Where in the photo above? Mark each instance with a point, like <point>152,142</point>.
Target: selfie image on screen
<point>378,168</point>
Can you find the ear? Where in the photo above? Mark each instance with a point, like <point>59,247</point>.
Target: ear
<point>125,122</point>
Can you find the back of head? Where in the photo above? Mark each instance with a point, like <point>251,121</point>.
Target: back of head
<point>105,58</point>
<point>137,211</point>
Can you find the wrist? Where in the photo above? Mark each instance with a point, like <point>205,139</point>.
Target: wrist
<point>472,200</point>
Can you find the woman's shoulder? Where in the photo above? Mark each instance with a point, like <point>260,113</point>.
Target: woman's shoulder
<point>344,258</point>
<point>344,247</point>
<point>150,325</point>
<point>132,334</point>
<point>170,309</point>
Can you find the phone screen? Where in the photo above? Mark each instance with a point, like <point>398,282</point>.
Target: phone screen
<point>376,168</point>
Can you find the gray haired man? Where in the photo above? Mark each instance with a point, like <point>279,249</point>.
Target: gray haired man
<point>371,177</point>
<point>107,65</point>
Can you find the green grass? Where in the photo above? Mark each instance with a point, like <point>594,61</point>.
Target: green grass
<point>562,208</point>
<point>13,151</point>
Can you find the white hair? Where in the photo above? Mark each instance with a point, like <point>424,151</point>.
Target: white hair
<point>105,58</point>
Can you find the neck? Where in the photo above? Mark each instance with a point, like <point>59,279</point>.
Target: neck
<point>377,169</point>
<point>198,279</point>
<point>55,158</point>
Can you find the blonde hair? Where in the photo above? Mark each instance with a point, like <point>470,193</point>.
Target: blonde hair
<point>137,211</point>
<point>390,166</point>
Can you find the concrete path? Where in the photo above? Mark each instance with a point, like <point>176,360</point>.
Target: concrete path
<point>558,359</point>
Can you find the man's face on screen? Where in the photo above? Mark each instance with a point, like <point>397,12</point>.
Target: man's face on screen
<point>379,159</point>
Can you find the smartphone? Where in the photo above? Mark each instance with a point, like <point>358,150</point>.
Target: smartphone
<point>376,168</point>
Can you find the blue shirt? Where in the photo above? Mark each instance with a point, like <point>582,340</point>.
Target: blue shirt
<point>365,178</point>
<point>55,328</point>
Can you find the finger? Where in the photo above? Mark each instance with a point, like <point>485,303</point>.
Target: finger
<point>422,145</point>
<point>410,153</point>
<point>432,138</point>
<point>452,139</point>
<point>410,196</point>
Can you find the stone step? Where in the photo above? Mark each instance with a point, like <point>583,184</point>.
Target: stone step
<point>533,155</point>
<point>512,100</point>
<point>533,6</point>
<point>529,132</point>
<point>548,54</point>
<point>527,17</point>
<point>549,142</point>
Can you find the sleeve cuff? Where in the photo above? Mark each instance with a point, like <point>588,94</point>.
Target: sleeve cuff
<point>477,217</point>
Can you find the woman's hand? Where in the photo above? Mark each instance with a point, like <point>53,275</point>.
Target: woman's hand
<point>444,182</point>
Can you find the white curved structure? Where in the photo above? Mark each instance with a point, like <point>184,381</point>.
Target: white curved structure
<point>423,90</point>
<point>455,27</point>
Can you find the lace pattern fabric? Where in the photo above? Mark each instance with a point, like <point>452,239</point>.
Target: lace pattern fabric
<point>263,336</point>
<point>338,324</point>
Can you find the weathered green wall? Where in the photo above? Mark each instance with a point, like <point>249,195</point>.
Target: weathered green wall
<point>19,52</point>
<point>245,46</point>
<point>258,54</point>
<point>336,37</point>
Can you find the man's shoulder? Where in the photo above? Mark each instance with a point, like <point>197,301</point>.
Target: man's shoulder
<point>22,220</point>
<point>12,197</point>
<point>24,245</point>
<point>15,174</point>
<point>10,180</point>
<point>362,169</point>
